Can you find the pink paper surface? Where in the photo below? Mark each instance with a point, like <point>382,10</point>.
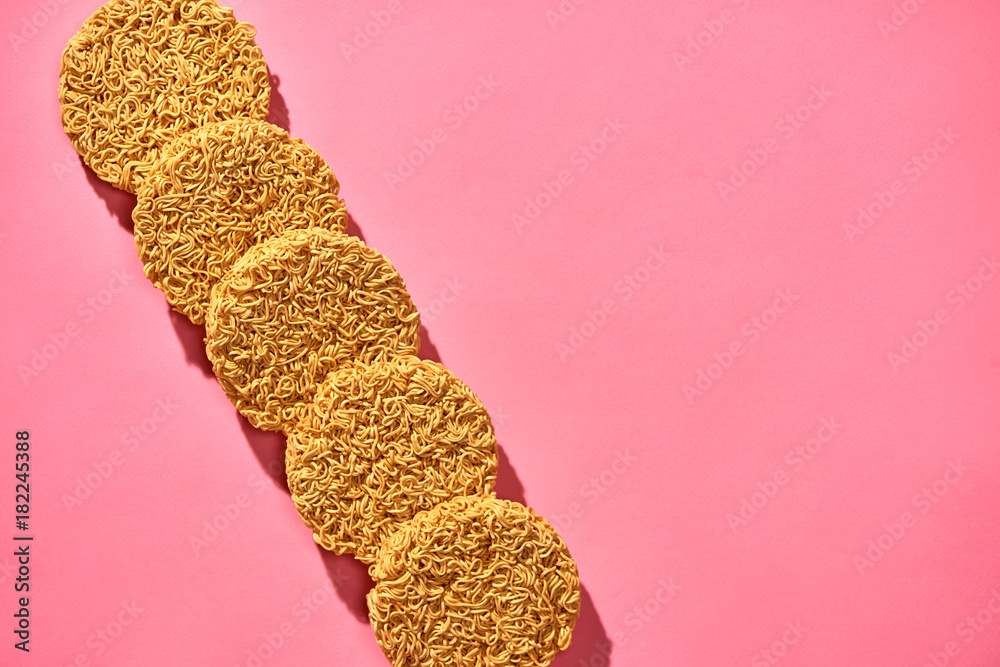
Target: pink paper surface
<point>724,273</point>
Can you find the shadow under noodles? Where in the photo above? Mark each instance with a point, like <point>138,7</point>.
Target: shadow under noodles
<point>118,202</point>
<point>353,229</point>
<point>591,646</point>
<point>508,486</point>
<point>269,448</point>
<point>277,110</point>
<point>590,639</point>
<point>428,351</point>
<point>120,205</point>
<point>192,338</point>
<point>350,581</point>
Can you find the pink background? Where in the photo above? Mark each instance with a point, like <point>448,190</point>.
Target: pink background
<point>880,547</point>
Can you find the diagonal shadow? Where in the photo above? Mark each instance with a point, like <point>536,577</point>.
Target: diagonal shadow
<point>353,229</point>
<point>269,448</point>
<point>118,202</point>
<point>192,339</point>
<point>590,645</point>
<point>277,110</point>
<point>350,581</point>
<point>508,485</point>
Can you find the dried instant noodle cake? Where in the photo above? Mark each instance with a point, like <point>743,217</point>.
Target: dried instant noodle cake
<point>383,442</point>
<point>296,307</point>
<point>215,192</point>
<point>140,72</point>
<point>474,582</point>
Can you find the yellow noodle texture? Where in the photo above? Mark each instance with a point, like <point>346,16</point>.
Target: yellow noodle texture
<point>296,307</point>
<point>474,582</point>
<point>140,72</point>
<point>215,192</point>
<point>384,441</point>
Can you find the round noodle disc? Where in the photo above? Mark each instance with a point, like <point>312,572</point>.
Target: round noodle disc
<point>474,582</point>
<point>217,191</point>
<point>294,308</point>
<point>140,72</point>
<point>384,441</point>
